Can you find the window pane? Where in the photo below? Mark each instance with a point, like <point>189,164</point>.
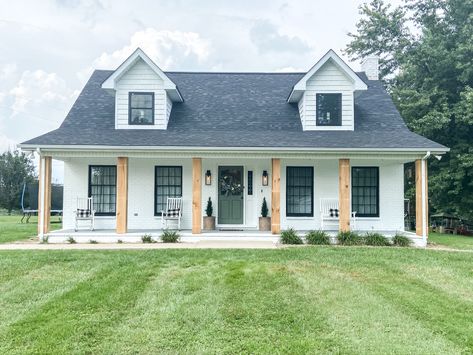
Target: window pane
<point>141,116</point>
<point>299,187</point>
<point>102,188</point>
<point>329,109</point>
<point>141,100</point>
<point>365,190</point>
<point>168,183</point>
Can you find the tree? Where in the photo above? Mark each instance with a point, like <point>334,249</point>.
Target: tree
<point>426,51</point>
<point>15,169</point>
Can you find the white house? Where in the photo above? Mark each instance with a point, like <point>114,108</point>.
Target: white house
<point>306,142</point>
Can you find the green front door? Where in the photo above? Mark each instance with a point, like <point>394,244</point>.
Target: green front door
<point>230,195</point>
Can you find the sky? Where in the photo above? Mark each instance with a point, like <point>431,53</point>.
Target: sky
<point>49,48</point>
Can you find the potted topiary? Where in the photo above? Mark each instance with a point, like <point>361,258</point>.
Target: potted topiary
<point>264,220</point>
<point>209,220</point>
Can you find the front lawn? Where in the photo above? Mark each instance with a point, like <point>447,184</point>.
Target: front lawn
<point>452,241</point>
<point>296,300</point>
<point>11,229</point>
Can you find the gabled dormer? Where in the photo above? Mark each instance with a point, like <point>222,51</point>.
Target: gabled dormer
<point>325,95</point>
<point>143,93</point>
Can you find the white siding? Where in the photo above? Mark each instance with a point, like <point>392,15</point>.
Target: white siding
<point>140,77</point>
<point>328,79</point>
<point>391,195</point>
<point>141,191</point>
<point>168,108</point>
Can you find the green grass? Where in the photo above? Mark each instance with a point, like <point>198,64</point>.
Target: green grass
<point>12,230</point>
<point>297,300</point>
<point>452,241</point>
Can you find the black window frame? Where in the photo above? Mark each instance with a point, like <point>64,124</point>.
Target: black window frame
<point>355,209</point>
<point>311,214</point>
<point>130,94</point>
<point>336,123</point>
<point>97,213</point>
<point>156,212</point>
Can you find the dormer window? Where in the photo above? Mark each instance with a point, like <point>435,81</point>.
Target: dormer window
<point>329,109</point>
<point>141,108</point>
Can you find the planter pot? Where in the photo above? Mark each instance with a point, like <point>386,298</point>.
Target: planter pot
<point>265,224</point>
<point>209,223</point>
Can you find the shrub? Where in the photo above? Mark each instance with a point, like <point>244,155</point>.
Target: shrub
<point>45,239</point>
<point>119,241</point>
<point>170,236</point>
<point>318,237</point>
<point>401,240</point>
<point>349,238</point>
<point>289,236</point>
<point>264,208</point>
<point>147,238</point>
<point>209,209</point>
<point>71,240</point>
<point>376,239</point>
<point>93,241</point>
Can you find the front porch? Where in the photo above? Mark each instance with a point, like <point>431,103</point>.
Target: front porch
<point>138,196</point>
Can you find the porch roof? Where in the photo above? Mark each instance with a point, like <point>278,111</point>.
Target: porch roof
<point>242,110</point>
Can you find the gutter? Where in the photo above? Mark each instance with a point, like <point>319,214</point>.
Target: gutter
<point>194,149</point>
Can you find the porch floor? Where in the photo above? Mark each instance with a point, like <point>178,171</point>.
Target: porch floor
<point>134,235</point>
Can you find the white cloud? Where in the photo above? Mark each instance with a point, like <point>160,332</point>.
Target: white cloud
<point>167,48</point>
<point>6,143</point>
<point>39,88</point>
<point>289,70</point>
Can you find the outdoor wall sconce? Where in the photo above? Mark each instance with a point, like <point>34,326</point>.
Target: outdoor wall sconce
<point>264,178</point>
<point>208,178</point>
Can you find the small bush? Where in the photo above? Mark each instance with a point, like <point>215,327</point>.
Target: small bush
<point>170,236</point>
<point>376,240</point>
<point>45,240</point>
<point>318,237</point>
<point>209,210</point>
<point>264,208</point>
<point>119,241</point>
<point>71,240</point>
<point>147,238</point>
<point>289,236</point>
<point>349,238</point>
<point>400,240</point>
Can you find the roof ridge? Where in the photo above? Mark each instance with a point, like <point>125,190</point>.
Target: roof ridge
<point>231,72</point>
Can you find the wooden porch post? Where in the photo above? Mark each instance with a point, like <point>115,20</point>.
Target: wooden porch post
<point>122,195</point>
<point>276,197</point>
<point>344,194</point>
<point>196,195</point>
<point>422,199</point>
<point>44,195</point>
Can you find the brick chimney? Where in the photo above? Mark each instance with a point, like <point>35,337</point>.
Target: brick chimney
<point>370,65</point>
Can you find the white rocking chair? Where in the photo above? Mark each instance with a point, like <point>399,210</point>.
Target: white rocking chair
<point>173,212</point>
<point>329,210</point>
<point>85,212</point>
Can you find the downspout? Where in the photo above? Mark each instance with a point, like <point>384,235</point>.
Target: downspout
<point>424,202</point>
<point>41,197</point>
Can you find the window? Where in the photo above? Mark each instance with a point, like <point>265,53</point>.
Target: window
<point>103,188</point>
<point>365,191</point>
<point>299,191</point>
<point>250,182</point>
<point>168,183</point>
<point>329,109</point>
<point>141,108</point>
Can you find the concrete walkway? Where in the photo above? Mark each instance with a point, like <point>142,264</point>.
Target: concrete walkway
<point>139,246</point>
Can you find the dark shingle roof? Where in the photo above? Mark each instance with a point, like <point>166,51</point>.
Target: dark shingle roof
<point>234,110</point>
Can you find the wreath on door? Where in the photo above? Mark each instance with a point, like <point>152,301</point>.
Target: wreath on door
<point>229,187</point>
